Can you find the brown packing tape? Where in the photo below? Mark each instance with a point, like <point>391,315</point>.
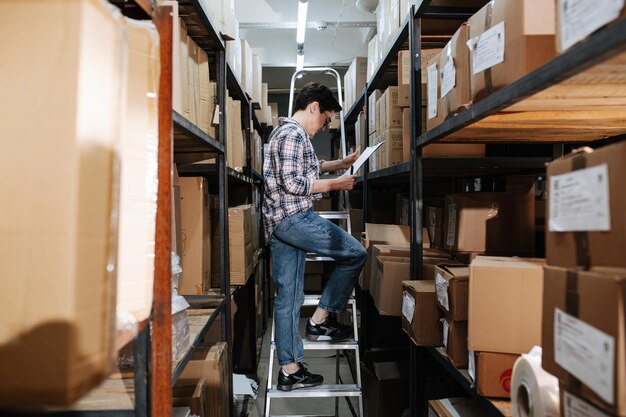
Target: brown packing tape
<point>488,76</point>
<point>581,238</point>
<point>571,307</point>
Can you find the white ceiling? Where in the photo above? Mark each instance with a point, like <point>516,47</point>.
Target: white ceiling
<point>337,45</point>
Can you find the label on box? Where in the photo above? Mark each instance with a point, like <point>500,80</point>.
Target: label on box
<point>580,18</point>
<point>446,330</point>
<point>408,306</point>
<point>448,77</point>
<point>579,200</point>
<point>585,352</point>
<point>432,91</point>
<point>471,365</point>
<point>575,407</point>
<point>442,291</point>
<point>487,49</point>
<point>451,232</point>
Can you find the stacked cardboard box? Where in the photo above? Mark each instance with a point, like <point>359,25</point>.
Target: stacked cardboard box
<point>518,36</point>
<point>58,222</point>
<point>195,252</point>
<point>193,93</point>
<point>379,234</point>
<point>242,243</point>
<point>354,81</point>
<point>493,223</point>
<point>235,151</point>
<point>451,283</point>
<point>585,282</point>
<point>504,317</point>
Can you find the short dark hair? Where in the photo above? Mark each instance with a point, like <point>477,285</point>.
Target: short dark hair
<point>317,92</point>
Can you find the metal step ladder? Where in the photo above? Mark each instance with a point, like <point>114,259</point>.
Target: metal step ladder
<point>337,390</point>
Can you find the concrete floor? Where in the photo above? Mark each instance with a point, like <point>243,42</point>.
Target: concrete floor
<point>318,361</point>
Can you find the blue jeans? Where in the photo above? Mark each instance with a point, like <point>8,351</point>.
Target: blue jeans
<point>291,240</point>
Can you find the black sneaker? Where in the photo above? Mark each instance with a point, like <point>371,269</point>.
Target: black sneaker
<point>301,379</point>
<point>329,330</point>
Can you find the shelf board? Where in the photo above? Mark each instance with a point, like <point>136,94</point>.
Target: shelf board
<point>211,171</point>
<point>199,25</point>
<point>576,97</point>
<point>257,177</point>
<point>188,138</point>
<point>199,322</point>
<point>494,407</point>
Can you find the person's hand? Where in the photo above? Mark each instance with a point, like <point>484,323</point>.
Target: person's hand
<point>345,182</point>
<point>349,160</point>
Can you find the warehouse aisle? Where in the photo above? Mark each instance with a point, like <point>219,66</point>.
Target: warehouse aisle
<point>322,362</point>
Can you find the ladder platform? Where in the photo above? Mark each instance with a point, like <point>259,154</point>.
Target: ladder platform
<point>334,390</point>
<point>313,257</point>
<point>313,300</point>
<point>350,344</point>
<point>333,215</point>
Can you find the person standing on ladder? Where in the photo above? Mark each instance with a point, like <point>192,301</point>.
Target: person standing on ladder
<point>291,171</point>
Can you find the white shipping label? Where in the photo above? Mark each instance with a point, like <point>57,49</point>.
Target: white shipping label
<point>448,77</point>
<point>408,306</point>
<point>580,18</point>
<point>579,200</point>
<point>446,330</point>
<point>442,291</point>
<point>432,91</point>
<point>471,365</point>
<point>575,407</point>
<point>487,49</point>
<point>451,232</point>
<point>585,352</point>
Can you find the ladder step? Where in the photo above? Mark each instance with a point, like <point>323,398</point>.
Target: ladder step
<point>333,214</point>
<point>314,299</point>
<point>345,390</point>
<point>302,415</point>
<point>349,344</point>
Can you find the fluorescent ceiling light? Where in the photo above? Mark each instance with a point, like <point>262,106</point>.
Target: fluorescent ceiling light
<point>299,62</point>
<point>302,8</point>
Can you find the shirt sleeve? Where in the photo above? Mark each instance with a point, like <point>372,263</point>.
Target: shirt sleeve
<point>291,165</point>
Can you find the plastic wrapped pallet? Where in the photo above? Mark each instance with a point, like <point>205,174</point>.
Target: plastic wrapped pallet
<point>58,239</point>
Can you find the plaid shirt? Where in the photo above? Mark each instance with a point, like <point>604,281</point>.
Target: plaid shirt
<point>290,166</point>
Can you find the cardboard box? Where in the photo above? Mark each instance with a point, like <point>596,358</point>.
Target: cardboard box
<point>383,234</point>
<point>386,287</point>
<point>58,299</point>
<point>211,365</point>
<point>391,152</point>
<point>574,24</point>
<point>454,83</point>
<point>247,70</point>
<point>584,338</point>
<point>390,112</point>
<point>373,123</point>
<point>455,341</point>
<point>494,223</point>
<point>404,76</point>
<point>583,178</point>
<point>420,315</point>
<point>505,304</point>
<point>191,393</point>
<point>196,236</point>
<point>434,113</point>
<point>354,80</point>
<point>434,225</point>
<point>492,373</point>
<point>574,405</point>
<point>452,290</point>
<point>372,56</point>
<point>385,390</point>
<point>453,407</point>
<point>528,28</point>
<point>241,245</point>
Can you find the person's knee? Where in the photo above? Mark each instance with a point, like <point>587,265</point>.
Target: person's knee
<point>362,255</point>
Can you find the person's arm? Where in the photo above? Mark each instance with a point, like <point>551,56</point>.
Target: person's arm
<point>345,182</point>
<point>345,163</point>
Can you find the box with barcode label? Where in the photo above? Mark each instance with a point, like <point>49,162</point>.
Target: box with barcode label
<point>583,333</point>
<point>507,40</point>
<point>420,315</point>
<point>586,206</point>
<point>578,19</point>
<point>451,281</point>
